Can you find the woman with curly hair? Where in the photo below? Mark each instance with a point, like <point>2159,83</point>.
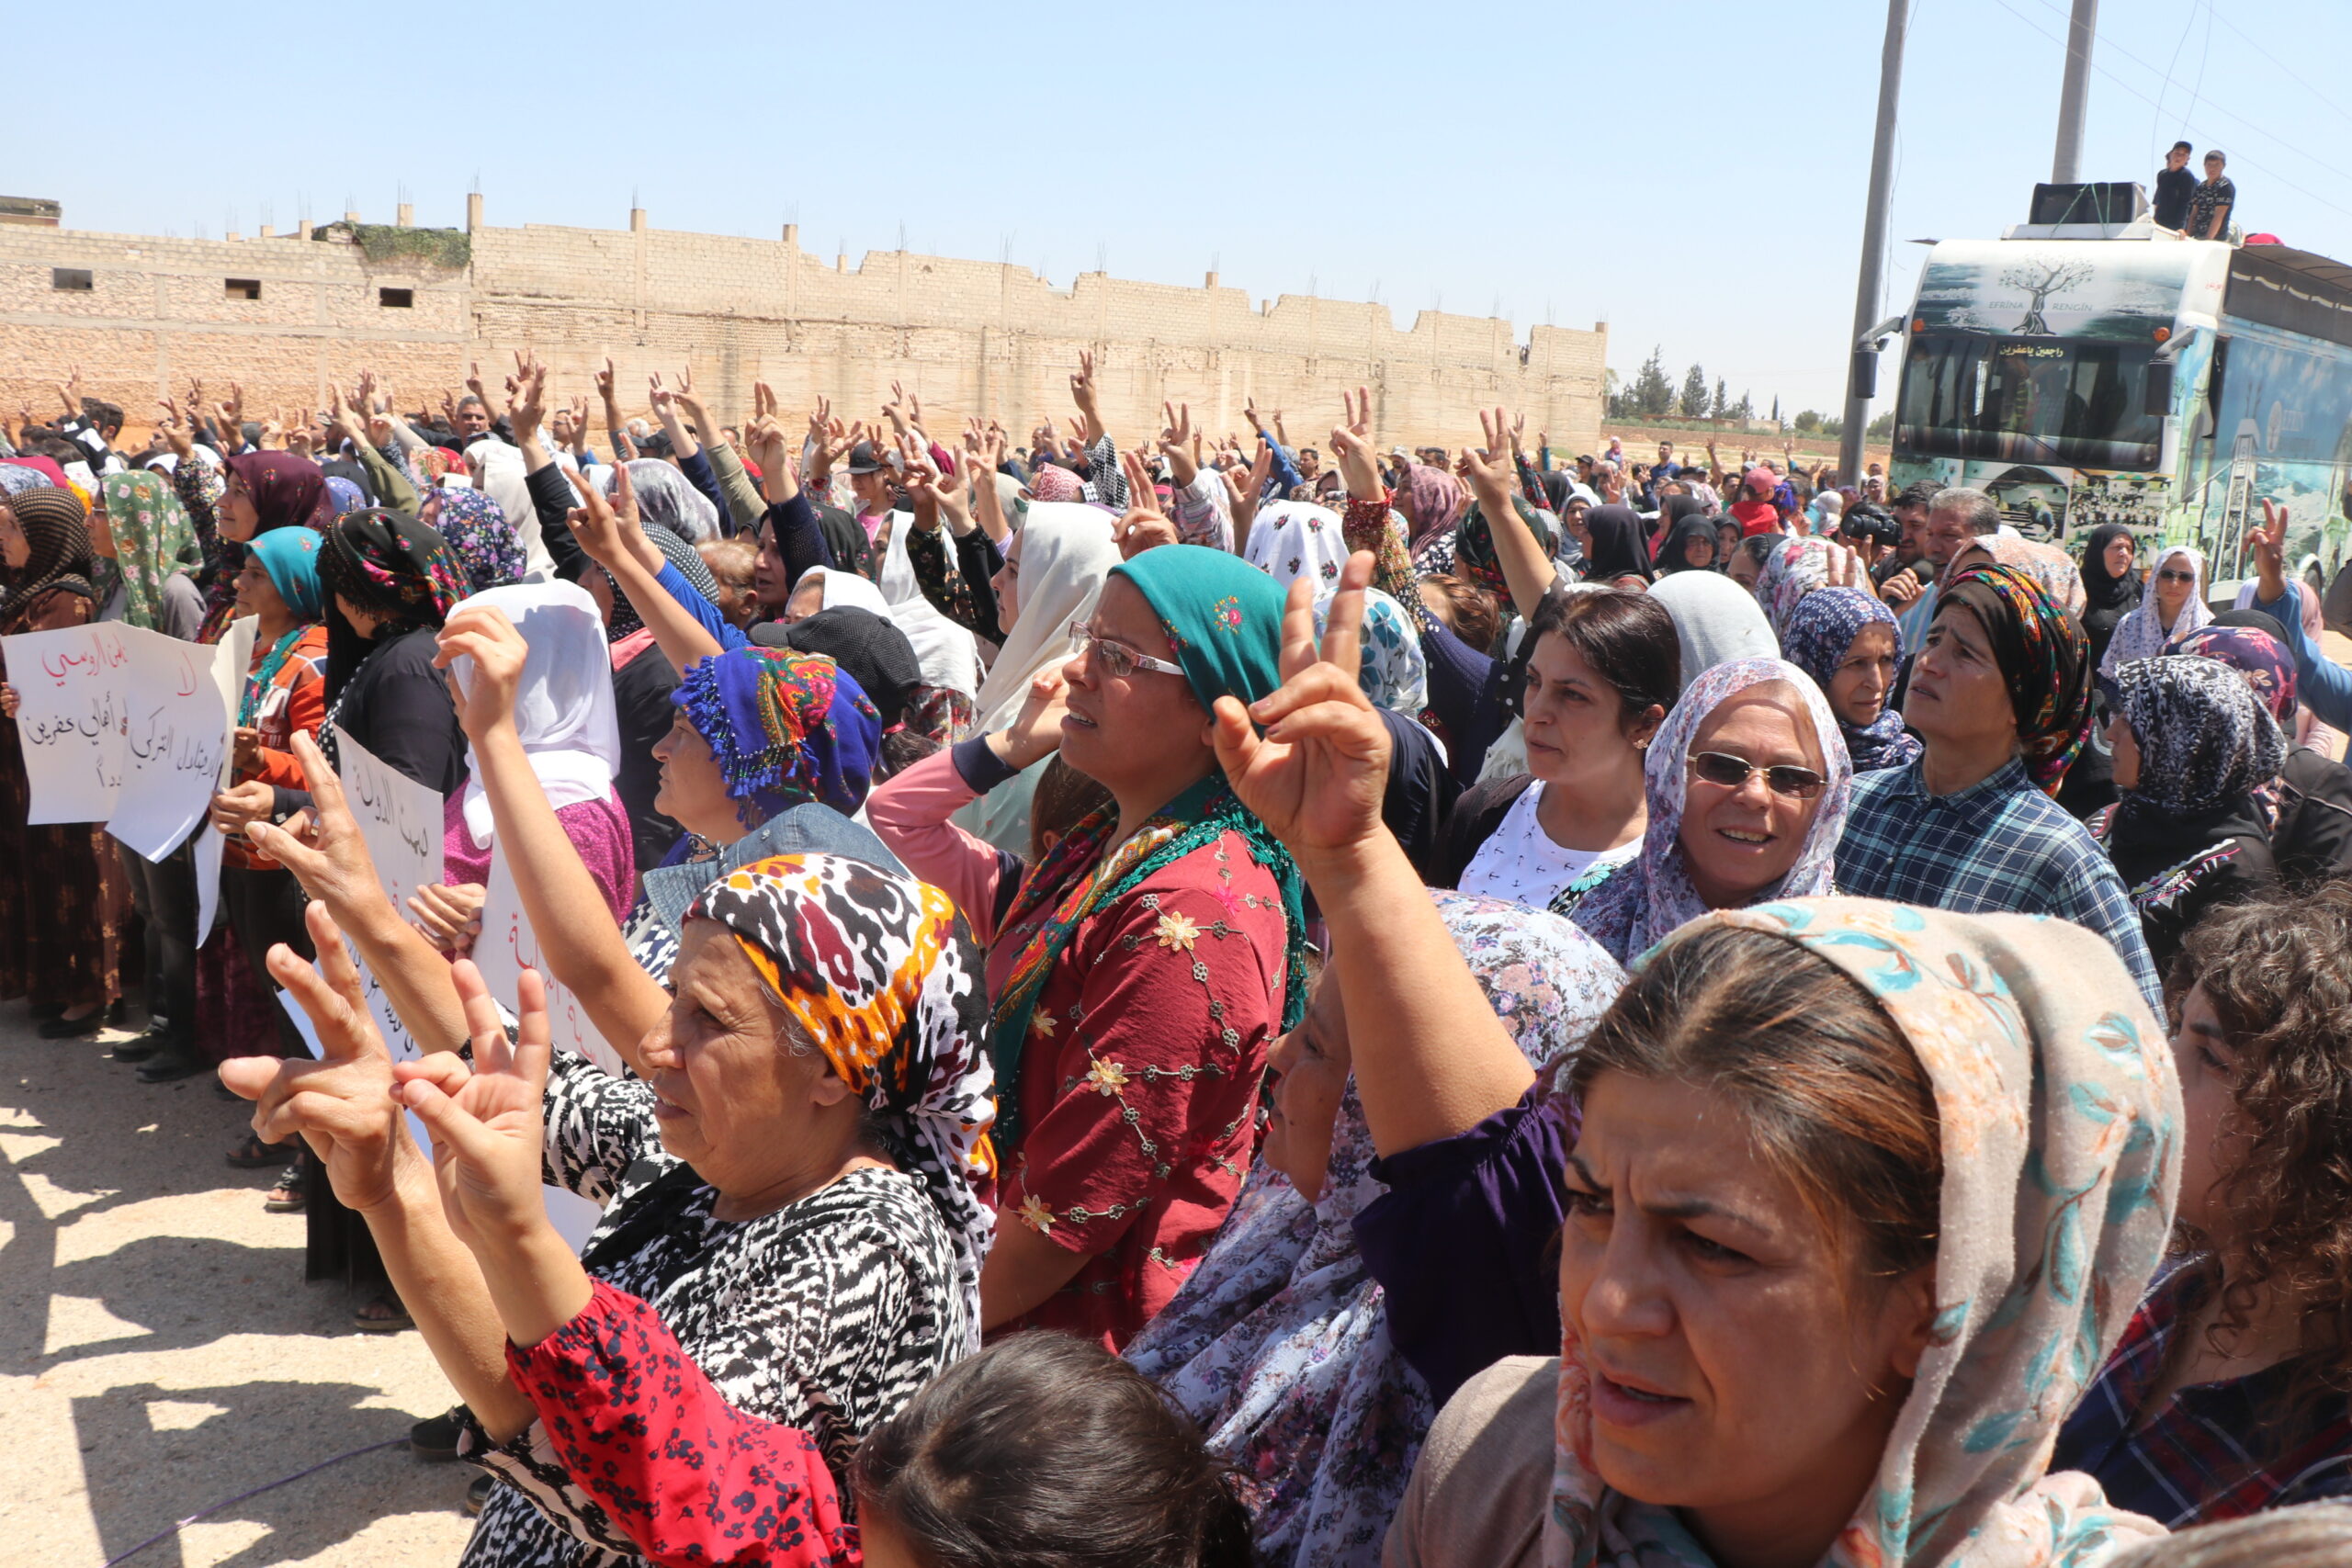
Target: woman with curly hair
<point>2227,1393</point>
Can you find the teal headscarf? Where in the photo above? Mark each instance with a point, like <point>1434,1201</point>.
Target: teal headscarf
<point>290,556</point>
<point>1224,616</point>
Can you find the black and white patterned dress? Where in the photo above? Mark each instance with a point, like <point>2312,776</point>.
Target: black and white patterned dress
<point>826,1316</point>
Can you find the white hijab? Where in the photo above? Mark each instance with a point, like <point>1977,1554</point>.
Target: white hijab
<point>949,655</point>
<point>563,705</point>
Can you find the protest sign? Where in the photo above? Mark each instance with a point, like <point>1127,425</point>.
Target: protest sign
<point>506,947</point>
<point>400,821</point>
<point>69,719</point>
<point>179,713</point>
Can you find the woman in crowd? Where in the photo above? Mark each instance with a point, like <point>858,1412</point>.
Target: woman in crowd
<point>2310,836</point>
<point>2000,697</point>
<point>1745,787</point>
<point>2228,1394</point>
<point>230,500</point>
<point>1716,621</point>
<point>2196,757</point>
<point>478,535</point>
<point>284,695</point>
<point>1279,1343</point>
<point>1849,644</point>
<point>1292,539</point>
<point>2318,1536</point>
<point>389,581</point>
<point>564,715</point>
<point>1689,542</point>
<point>1431,503</point>
<point>62,899</point>
<point>1620,548</point>
<point>2173,607</point>
<point>1796,569</point>
<point>148,536</point>
<point>1806,1258</point>
<point>1601,668</point>
<point>1145,964</point>
<point>795,1185</point>
<point>2111,588</point>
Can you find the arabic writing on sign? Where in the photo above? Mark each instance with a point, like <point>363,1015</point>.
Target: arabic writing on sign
<point>70,689</point>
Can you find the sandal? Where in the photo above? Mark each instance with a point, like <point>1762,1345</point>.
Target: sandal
<point>383,1316</point>
<point>255,1154</point>
<point>286,1198</point>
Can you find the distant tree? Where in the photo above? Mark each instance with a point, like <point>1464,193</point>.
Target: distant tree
<point>1693,403</point>
<point>1775,408</point>
<point>1722,401</point>
<point>1652,394</point>
<point>1747,408</point>
<point>1882,428</point>
<point>1807,420</point>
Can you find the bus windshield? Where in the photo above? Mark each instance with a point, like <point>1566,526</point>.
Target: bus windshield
<point>2078,403</point>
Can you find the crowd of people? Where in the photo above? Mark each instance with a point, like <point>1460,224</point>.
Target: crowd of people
<point>1182,1001</point>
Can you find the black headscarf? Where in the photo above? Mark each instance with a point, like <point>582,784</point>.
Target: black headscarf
<point>1620,545</point>
<point>1691,522</point>
<point>389,563</point>
<point>2106,599</point>
<point>874,650</point>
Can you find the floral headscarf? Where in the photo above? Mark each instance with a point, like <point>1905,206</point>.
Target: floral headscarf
<point>2142,634</point>
<point>478,535</point>
<point>151,531</point>
<point>1278,1344</point>
<point>877,969</point>
<point>1292,539</point>
<point>56,527</point>
<point>2042,656</point>
<point>344,495</point>
<point>2255,654</point>
<point>786,728</point>
<point>1794,570</point>
<point>1646,898</point>
<point>2059,1118</point>
<point>1051,481</point>
<point>1820,633</point>
<point>287,489</point>
<point>2206,741</point>
<point>1394,672</point>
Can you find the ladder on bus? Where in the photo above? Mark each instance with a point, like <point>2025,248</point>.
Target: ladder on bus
<point>2229,557</point>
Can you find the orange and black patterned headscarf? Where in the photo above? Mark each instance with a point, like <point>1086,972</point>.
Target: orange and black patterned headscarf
<point>2043,657</point>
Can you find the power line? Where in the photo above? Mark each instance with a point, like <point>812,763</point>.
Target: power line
<point>2144,97</point>
<point>2286,69</point>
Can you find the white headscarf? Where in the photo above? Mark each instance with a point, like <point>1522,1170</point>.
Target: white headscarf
<point>564,710</point>
<point>949,655</point>
<point>2142,634</point>
<point>1292,539</point>
<point>1715,620</point>
<point>667,496</point>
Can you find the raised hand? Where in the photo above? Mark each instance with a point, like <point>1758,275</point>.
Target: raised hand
<point>1036,732</point>
<point>448,914</point>
<point>1176,444</point>
<point>173,428</point>
<point>604,383</point>
<point>1491,476</point>
<point>1144,527</point>
<point>2267,540</point>
<point>326,853</point>
<point>1351,444</point>
<point>1317,775</point>
<point>69,391</point>
<point>473,383</point>
<point>342,1104</point>
<point>658,395</point>
<point>1082,384</point>
<point>597,522</point>
<point>526,404</point>
<point>485,699</point>
<point>487,1119</point>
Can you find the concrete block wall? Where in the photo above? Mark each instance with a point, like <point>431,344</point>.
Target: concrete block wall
<point>969,338</point>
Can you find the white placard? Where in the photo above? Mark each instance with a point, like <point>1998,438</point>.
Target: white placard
<point>400,821</point>
<point>179,710</point>
<point>507,946</point>
<point>69,719</point>
<point>230,671</point>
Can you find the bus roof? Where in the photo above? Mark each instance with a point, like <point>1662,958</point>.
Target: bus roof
<point>2294,290</point>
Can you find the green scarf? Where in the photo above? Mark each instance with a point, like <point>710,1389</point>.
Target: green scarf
<point>1224,619</point>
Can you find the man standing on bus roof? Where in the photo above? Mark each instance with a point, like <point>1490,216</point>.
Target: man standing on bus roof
<point>2175,184</point>
<point>2209,207</point>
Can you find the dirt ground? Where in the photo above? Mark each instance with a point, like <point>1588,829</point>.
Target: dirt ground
<point>159,1351</point>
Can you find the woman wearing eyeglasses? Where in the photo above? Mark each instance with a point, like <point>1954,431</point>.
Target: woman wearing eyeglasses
<point>2173,607</point>
<point>1145,964</point>
<point>1746,785</point>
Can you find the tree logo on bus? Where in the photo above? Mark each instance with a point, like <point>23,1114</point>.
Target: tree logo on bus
<point>2041,279</point>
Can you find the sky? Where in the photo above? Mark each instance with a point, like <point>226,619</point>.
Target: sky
<point>1691,171</point>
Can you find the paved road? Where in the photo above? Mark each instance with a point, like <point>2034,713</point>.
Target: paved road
<point>159,1351</point>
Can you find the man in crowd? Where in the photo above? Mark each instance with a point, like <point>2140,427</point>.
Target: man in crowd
<point>2175,184</point>
<point>2213,201</point>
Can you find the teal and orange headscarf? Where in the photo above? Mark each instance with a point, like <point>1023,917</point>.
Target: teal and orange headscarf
<point>878,972</point>
<point>2042,656</point>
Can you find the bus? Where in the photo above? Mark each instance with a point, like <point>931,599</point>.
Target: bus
<point>2170,385</point>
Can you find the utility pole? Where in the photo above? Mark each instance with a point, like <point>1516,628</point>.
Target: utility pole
<point>1872,280</point>
<point>2074,91</point>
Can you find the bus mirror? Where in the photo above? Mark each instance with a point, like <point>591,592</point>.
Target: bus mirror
<point>2158,400</point>
<point>1864,377</point>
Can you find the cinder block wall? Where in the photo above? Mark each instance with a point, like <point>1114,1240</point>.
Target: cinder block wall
<point>969,338</point>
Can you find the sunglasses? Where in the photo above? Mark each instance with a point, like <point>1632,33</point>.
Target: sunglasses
<point>1733,772</point>
<point>1119,661</point>
<point>2169,575</point>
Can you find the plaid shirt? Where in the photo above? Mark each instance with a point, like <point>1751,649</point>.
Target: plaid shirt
<point>2000,846</point>
<point>2190,1463</point>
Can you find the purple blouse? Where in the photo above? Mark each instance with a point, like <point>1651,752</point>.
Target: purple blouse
<point>597,829</point>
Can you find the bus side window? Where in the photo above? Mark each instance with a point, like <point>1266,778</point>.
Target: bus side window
<point>2213,388</point>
